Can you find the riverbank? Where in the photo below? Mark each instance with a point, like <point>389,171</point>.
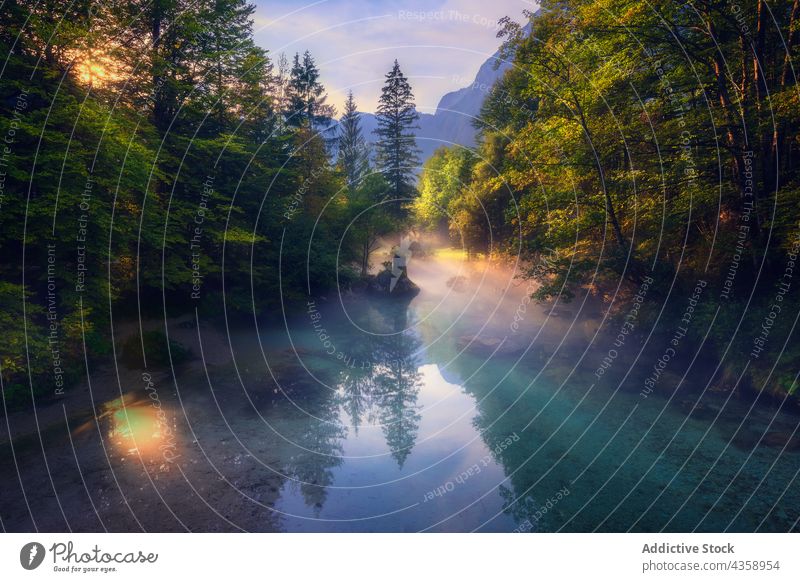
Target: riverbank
<point>294,425</point>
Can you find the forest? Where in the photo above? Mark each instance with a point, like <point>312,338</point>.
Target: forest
<point>157,161</point>
<point>645,146</point>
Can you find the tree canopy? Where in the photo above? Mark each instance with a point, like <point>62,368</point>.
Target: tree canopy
<point>632,140</point>
<point>158,161</point>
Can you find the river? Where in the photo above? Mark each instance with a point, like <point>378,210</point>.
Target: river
<point>468,408</point>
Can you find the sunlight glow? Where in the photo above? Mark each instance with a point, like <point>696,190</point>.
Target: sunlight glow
<point>95,69</point>
<point>136,427</point>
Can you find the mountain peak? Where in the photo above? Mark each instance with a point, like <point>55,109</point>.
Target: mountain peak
<point>452,123</point>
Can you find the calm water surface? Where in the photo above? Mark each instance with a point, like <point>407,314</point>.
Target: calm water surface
<point>438,414</point>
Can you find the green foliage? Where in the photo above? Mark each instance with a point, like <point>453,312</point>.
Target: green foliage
<point>397,147</point>
<point>445,176</point>
<point>353,150</point>
<point>307,107</point>
<point>370,218</point>
<point>156,164</point>
<point>632,140</point>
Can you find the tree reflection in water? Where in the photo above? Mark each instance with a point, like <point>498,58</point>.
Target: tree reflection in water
<point>384,381</point>
<point>317,448</point>
<point>374,381</point>
<point>310,426</point>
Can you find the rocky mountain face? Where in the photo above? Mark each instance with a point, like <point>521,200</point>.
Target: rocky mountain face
<point>452,121</point>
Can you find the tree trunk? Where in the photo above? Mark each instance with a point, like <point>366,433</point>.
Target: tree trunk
<point>779,133</point>
<point>612,214</point>
<point>734,139</point>
<point>158,79</point>
<point>768,179</point>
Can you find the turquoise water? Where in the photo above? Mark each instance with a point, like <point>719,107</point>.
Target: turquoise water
<point>453,385</point>
<point>467,408</point>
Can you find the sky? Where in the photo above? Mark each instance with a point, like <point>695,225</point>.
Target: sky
<point>440,44</point>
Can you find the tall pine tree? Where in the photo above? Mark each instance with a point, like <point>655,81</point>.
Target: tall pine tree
<point>353,153</point>
<point>225,40</point>
<point>307,107</point>
<point>398,155</point>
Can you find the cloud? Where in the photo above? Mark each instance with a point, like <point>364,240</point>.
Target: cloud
<point>356,41</point>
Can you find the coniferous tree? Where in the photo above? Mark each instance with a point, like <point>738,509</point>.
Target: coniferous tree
<point>164,26</point>
<point>225,41</point>
<point>253,99</point>
<point>307,107</point>
<point>353,153</point>
<point>397,147</point>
